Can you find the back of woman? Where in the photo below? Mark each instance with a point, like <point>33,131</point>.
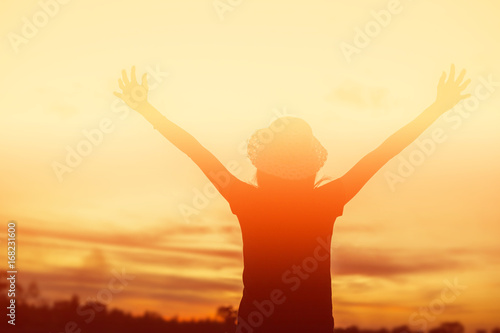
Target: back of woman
<point>286,249</point>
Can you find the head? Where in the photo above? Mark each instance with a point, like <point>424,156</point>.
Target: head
<point>286,154</point>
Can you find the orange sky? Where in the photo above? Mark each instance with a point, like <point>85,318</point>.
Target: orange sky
<point>122,205</point>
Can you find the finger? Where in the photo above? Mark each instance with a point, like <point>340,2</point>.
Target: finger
<point>120,84</point>
<point>145,81</point>
<point>132,75</point>
<point>441,79</point>
<point>451,78</point>
<point>465,96</point>
<point>117,94</point>
<point>124,77</point>
<point>464,85</point>
<point>461,76</point>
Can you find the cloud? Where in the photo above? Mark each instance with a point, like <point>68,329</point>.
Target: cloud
<point>94,265</point>
<point>165,287</point>
<point>168,270</point>
<point>392,262</point>
<point>164,248</point>
<point>147,239</point>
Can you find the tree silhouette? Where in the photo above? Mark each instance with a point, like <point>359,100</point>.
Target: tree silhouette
<point>449,327</point>
<point>72,315</point>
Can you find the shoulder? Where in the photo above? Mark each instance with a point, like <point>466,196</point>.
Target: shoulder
<point>331,196</point>
<point>334,188</point>
<point>239,194</point>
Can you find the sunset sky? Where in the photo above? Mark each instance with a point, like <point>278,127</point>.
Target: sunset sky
<point>221,76</point>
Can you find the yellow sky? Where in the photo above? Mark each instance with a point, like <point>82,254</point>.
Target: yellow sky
<point>221,79</point>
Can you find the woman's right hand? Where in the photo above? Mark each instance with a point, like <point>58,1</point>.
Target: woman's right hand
<point>449,92</point>
<point>133,93</point>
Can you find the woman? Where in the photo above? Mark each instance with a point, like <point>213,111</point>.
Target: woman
<point>286,221</point>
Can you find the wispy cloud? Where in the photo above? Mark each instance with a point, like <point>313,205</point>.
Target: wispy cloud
<point>391,262</point>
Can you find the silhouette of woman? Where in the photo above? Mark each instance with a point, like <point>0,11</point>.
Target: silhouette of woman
<point>286,221</point>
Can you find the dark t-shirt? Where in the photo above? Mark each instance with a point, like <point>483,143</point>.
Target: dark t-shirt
<point>286,253</point>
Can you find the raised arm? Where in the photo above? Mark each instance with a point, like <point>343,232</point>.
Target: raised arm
<point>449,93</point>
<point>136,96</point>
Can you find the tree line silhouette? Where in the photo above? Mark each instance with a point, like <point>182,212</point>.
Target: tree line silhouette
<point>35,314</point>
